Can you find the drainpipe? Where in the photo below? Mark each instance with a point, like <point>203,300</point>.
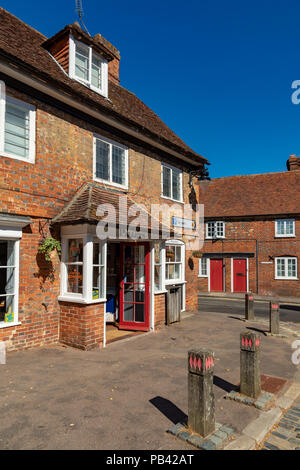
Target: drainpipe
<point>257,268</point>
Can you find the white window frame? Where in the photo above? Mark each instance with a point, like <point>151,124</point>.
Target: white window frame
<point>104,67</point>
<point>162,182</point>
<point>201,267</point>
<point>284,235</point>
<point>88,234</point>
<point>210,237</point>
<point>111,143</point>
<point>181,279</point>
<point>14,234</point>
<point>162,265</point>
<point>32,125</point>
<point>286,258</point>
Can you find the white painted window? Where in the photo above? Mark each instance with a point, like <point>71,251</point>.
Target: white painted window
<point>215,229</point>
<point>110,162</point>
<point>158,266</point>
<point>174,262</point>
<point>171,182</point>
<point>83,266</point>
<point>88,67</point>
<point>17,128</point>
<point>203,267</point>
<point>285,228</point>
<point>286,268</point>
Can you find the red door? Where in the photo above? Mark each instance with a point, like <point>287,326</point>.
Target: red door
<point>239,275</point>
<point>216,275</point>
<point>135,286</point>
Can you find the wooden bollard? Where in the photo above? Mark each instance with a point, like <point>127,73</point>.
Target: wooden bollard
<point>274,318</point>
<point>2,352</point>
<point>201,400</point>
<point>249,306</point>
<point>250,364</point>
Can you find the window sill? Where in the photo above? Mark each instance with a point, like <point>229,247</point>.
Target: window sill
<point>171,283</point>
<point>285,236</point>
<point>90,86</point>
<point>9,325</point>
<point>215,238</point>
<point>109,183</point>
<point>286,278</point>
<point>203,276</point>
<point>77,300</point>
<point>160,292</point>
<point>17,157</point>
<point>173,200</point>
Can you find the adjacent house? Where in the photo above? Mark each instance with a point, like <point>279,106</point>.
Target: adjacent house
<point>73,138</point>
<point>252,233</point>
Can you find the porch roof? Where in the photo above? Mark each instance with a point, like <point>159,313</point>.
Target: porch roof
<point>82,208</point>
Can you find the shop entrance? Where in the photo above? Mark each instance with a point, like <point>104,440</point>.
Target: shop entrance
<point>134,286</point>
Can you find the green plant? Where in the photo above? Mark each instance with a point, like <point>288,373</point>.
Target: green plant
<point>48,245</point>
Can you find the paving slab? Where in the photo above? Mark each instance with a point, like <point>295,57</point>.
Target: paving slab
<point>127,395</point>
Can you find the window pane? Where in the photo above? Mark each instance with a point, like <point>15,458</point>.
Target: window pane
<point>158,277</point>
<point>203,266</point>
<point>210,229</point>
<point>82,62</point>
<point>102,160</point>
<point>97,253</point>
<point>157,253</point>
<point>178,254</point>
<point>291,268</point>
<point>280,227</point>
<point>98,282</point>
<point>118,165</point>
<point>7,307</point>
<point>170,254</point>
<point>280,267</point>
<point>16,130</point>
<point>166,181</point>
<point>220,229</point>
<point>75,278</point>
<point>176,185</point>
<point>96,72</point>
<point>173,271</point>
<point>75,250</point>
<point>7,279</point>
<point>289,227</point>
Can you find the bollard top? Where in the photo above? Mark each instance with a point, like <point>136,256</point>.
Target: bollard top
<point>249,295</point>
<point>274,304</point>
<point>249,341</point>
<point>201,361</point>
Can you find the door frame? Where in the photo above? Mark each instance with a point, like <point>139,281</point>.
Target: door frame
<point>133,325</point>
<point>223,270</point>
<point>247,271</point>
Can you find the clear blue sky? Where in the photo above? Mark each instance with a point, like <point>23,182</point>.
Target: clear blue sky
<point>219,72</point>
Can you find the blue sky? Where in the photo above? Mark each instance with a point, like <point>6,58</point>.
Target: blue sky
<point>218,73</point>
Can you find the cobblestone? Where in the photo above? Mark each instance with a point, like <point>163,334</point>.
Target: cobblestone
<point>286,435</point>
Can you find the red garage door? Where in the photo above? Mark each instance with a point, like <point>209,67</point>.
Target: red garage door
<point>216,275</point>
<point>239,275</point>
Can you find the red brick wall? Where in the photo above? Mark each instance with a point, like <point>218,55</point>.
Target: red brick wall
<point>159,310</point>
<point>241,237</point>
<point>82,326</point>
<point>38,292</point>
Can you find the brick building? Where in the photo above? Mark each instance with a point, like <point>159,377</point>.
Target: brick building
<point>72,138</point>
<point>252,233</point>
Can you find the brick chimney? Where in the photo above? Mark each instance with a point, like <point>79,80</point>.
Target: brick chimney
<point>113,65</point>
<point>293,163</point>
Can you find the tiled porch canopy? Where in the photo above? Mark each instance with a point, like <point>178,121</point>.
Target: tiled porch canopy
<point>83,208</point>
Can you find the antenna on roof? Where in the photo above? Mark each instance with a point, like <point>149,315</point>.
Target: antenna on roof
<point>79,12</point>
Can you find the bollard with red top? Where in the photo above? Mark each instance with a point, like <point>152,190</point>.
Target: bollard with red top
<point>250,384</point>
<point>201,401</point>
<point>249,306</point>
<point>274,318</point>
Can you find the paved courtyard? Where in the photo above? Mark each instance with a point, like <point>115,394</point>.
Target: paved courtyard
<point>127,395</point>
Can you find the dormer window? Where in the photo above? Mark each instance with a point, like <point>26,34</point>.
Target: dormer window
<point>88,67</point>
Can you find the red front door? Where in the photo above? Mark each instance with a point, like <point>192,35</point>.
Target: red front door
<point>135,286</point>
<point>216,275</point>
<point>239,275</point>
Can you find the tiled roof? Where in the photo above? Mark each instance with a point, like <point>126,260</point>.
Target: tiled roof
<point>22,44</point>
<point>83,207</point>
<point>250,195</point>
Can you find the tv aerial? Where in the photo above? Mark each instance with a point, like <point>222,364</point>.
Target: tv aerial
<point>79,12</point>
